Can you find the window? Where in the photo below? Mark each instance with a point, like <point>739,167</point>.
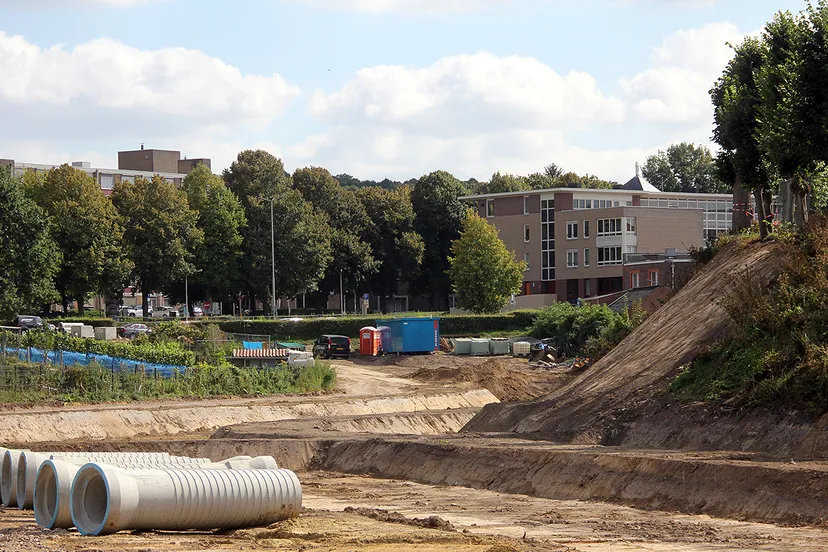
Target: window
<point>130,179</point>
<point>586,229</point>
<point>490,208</point>
<point>634,280</point>
<point>526,233</point>
<point>587,287</point>
<point>572,230</point>
<point>547,240</point>
<point>526,205</point>
<point>526,259</point>
<point>609,256</point>
<point>654,277</point>
<point>572,258</point>
<point>630,225</point>
<point>586,257</point>
<point>609,227</point>
<point>107,181</point>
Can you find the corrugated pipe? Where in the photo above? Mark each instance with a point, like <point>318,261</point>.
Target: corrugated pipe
<point>29,462</point>
<point>54,482</point>
<point>105,499</point>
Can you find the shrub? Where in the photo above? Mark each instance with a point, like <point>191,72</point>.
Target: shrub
<point>569,327</point>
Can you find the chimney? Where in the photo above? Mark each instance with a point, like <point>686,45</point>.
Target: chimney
<point>142,148</point>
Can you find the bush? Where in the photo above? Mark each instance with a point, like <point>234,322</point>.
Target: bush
<point>305,330</point>
<point>569,327</point>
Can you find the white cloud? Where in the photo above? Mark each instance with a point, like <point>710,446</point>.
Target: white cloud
<point>405,6</point>
<point>675,88</point>
<point>104,87</point>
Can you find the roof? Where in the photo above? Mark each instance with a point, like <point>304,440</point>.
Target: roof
<point>260,353</point>
<point>598,191</point>
<point>630,297</point>
<point>639,184</point>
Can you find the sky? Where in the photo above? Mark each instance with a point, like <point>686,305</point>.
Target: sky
<point>372,88</point>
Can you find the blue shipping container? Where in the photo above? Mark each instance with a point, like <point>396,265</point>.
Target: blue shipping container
<point>410,335</point>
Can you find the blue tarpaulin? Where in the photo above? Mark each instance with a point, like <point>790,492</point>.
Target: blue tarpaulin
<point>116,364</point>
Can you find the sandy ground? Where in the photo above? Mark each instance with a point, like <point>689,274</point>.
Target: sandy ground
<point>345,513</point>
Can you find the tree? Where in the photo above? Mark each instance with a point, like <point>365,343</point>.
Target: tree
<point>483,271</point>
<point>87,229</point>
<point>541,181</point>
<point>302,236</point>
<point>553,171</point>
<point>221,218</point>
<point>352,258</point>
<point>392,237</point>
<point>29,258</point>
<point>161,234</point>
<point>737,101</point>
<point>684,167</point>
<point>506,183</point>
<point>438,218</point>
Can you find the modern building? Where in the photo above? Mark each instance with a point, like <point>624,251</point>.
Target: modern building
<point>142,162</point>
<point>579,243</point>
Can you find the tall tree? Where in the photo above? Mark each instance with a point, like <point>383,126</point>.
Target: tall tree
<point>221,218</point>
<point>500,183</point>
<point>483,271</point>
<point>438,217</point>
<point>161,232</point>
<point>684,167</point>
<point>88,231</point>
<point>302,236</point>
<point>392,237</point>
<point>29,258</point>
<point>353,258</point>
<point>737,101</point>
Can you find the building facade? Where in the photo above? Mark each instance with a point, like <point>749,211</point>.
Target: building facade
<point>580,243</point>
<point>131,164</point>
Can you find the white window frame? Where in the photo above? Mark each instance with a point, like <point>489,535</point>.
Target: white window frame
<point>570,226</point>
<point>586,256</point>
<point>586,229</point>
<point>653,277</point>
<point>526,234</point>
<point>631,225</point>
<point>525,205</point>
<point>609,227</point>
<point>490,208</point>
<point>527,258</point>
<point>635,280</point>
<point>111,180</point>
<point>612,256</point>
<point>587,287</point>
<point>571,258</point>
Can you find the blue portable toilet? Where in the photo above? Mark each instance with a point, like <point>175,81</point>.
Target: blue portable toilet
<point>410,335</point>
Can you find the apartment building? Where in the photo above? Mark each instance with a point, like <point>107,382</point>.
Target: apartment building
<point>131,164</point>
<point>581,243</point>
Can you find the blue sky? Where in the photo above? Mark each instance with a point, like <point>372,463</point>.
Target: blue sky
<point>374,88</point>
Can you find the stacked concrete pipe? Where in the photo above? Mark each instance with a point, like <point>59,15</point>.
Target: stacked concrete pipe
<point>54,482</point>
<point>106,499</point>
<point>29,462</point>
<point>8,476</point>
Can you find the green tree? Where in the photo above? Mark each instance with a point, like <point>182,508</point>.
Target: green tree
<point>302,236</point>
<point>88,231</point>
<point>392,237</point>
<point>684,167</point>
<point>506,183</point>
<point>29,258</point>
<point>438,218</point>
<point>737,101</point>
<point>352,258</point>
<point>483,272</point>
<point>541,181</point>
<point>161,234</point>
<point>221,218</point>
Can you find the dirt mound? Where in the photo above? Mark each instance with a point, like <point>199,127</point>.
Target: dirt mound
<point>501,376</point>
<point>431,522</point>
<point>589,408</point>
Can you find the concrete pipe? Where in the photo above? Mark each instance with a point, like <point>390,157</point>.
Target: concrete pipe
<point>105,500</point>
<point>54,483</point>
<point>8,477</point>
<point>29,463</point>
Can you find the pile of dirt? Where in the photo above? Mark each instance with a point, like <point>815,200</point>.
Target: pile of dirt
<point>500,376</point>
<point>609,399</point>
<point>431,522</point>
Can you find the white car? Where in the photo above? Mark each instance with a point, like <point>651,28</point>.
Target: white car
<point>164,312</point>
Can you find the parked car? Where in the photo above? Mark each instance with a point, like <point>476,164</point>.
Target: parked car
<point>131,331</point>
<point>196,311</point>
<point>164,312</point>
<point>329,346</point>
<point>134,311</point>
<point>30,322</point>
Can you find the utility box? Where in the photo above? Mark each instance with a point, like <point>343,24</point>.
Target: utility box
<point>499,346</point>
<point>480,347</point>
<point>410,335</point>
<point>370,341</point>
<point>105,333</point>
<point>521,348</point>
<point>88,331</point>
<point>462,346</point>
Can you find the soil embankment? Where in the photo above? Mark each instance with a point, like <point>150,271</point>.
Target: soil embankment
<point>617,399</point>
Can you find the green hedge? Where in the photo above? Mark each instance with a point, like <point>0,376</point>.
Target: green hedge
<point>454,325</point>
